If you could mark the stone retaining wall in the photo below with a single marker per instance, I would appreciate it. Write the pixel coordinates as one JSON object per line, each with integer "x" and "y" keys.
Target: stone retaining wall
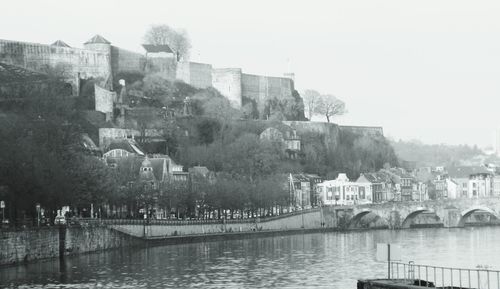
{"x": 36, "y": 244}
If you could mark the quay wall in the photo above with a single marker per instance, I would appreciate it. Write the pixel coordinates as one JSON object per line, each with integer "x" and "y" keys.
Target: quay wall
{"x": 35, "y": 244}
{"x": 309, "y": 220}
{"x": 28, "y": 245}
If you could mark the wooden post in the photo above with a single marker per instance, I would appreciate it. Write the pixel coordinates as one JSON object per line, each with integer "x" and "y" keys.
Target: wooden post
{"x": 388, "y": 261}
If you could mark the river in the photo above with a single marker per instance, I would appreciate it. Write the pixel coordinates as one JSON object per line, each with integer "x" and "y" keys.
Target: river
{"x": 319, "y": 260}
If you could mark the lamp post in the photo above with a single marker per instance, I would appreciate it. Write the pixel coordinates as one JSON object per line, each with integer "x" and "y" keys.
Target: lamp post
{"x": 38, "y": 214}
{"x": 2, "y": 206}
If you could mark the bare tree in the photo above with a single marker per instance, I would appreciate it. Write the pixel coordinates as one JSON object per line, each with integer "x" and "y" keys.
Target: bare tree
{"x": 311, "y": 98}
{"x": 176, "y": 39}
{"x": 329, "y": 106}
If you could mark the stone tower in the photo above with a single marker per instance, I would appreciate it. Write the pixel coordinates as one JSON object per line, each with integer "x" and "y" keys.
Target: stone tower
{"x": 146, "y": 172}
{"x": 99, "y": 43}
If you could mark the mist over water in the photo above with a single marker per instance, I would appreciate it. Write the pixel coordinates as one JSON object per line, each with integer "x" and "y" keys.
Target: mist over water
{"x": 322, "y": 260}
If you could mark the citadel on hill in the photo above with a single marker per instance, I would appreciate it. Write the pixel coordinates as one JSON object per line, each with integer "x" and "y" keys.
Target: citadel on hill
{"x": 24, "y": 68}
{"x": 100, "y": 60}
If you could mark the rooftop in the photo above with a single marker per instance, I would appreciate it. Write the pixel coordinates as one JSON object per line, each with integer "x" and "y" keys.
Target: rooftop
{"x": 155, "y": 48}
{"x": 466, "y": 171}
{"x": 60, "y": 43}
{"x": 125, "y": 144}
{"x": 97, "y": 39}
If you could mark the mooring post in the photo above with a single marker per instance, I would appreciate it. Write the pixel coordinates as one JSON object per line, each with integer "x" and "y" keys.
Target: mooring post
{"x": 388, "y": 261}
{"x": 62, "y": 240}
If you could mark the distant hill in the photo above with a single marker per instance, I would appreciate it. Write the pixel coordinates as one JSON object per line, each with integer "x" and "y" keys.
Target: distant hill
{"x": 438, "y": 154}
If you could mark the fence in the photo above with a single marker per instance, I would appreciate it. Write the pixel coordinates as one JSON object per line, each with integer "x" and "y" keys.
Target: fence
{"x": 31, "y": 223}
{"x": 445, "y": 277}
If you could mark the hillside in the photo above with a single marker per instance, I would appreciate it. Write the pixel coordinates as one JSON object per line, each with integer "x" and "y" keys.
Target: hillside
{"x": 438, "y": 154}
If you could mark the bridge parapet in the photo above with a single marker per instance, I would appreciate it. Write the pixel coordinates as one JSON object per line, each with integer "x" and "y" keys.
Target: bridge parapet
{"x": 452, "y": 212}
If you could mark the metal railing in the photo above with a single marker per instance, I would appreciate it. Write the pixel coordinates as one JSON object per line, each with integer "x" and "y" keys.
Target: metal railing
{"x": 445, "y": 277}
{"x": 171, "y": 222}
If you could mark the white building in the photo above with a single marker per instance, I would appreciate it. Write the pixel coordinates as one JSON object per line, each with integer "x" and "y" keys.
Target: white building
{"x": 471, "y": 182}
{"x": 340, "y": 191}
{"x": 496, "y": 186}
{"x": 453, "y": 189}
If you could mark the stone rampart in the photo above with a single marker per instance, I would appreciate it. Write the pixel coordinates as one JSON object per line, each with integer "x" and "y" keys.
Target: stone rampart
{"x": 125, "y": 61}
{"x": 196, "y": 74}
{"x": 72, "y": 63}
{"x": 258, "y": 89}
{"x": 330, "y": 131}
{"x": 228, "y": 82}
{"x": 364, "y": 130}
{"x": 164, "y": 66}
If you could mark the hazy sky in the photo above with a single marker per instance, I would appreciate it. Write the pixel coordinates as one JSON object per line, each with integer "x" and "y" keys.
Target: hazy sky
{"x": 427, "y": 70}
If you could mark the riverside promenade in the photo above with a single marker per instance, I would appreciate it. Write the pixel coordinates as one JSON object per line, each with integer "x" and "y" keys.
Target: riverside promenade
{"x": 90, "y": 235}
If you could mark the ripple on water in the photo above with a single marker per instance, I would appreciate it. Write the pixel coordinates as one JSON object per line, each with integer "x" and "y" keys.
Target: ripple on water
{"x": 329, "y": 260}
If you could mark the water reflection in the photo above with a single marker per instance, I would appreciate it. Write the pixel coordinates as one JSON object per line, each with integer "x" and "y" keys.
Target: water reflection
{"x": 330, "y": 260}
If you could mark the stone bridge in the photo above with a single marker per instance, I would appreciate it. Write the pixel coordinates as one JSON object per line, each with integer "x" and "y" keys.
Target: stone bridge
{"x": 399, "y": 215}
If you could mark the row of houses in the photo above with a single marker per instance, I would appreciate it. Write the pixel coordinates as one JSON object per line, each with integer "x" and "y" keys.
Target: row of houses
{"x": 395, "y": 184}
{"x": 306, "y": 190}
{"x": 461, "y": 182}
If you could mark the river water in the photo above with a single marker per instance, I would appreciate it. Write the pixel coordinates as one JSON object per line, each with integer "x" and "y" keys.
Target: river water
{"x": 320, "y": 260}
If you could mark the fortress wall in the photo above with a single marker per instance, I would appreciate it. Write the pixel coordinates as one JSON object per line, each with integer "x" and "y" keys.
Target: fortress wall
{"x": 364, "y": 130}
{"x": 330, "y": 131}
{"x": 228, "y": 82}
{"x": 259, "y": 89}
{"x": 126, "y": 61}
{"x": 73, "y": 61}
{"x": 183, "y": 72}
{"x": 166, "y": 66}
{"x": 196, "y": 74}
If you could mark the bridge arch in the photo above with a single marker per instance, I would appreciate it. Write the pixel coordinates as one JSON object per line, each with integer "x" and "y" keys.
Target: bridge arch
{"x": 353, "y": 223}
{"x": 412, "y": 215}
{"x": 466, "y": 213}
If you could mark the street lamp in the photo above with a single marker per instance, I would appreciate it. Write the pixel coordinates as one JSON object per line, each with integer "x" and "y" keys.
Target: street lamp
{"x": 38, "y": 214}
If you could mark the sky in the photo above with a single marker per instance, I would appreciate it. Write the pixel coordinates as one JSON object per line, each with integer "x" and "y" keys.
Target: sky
{"x": 423, "y": 69}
